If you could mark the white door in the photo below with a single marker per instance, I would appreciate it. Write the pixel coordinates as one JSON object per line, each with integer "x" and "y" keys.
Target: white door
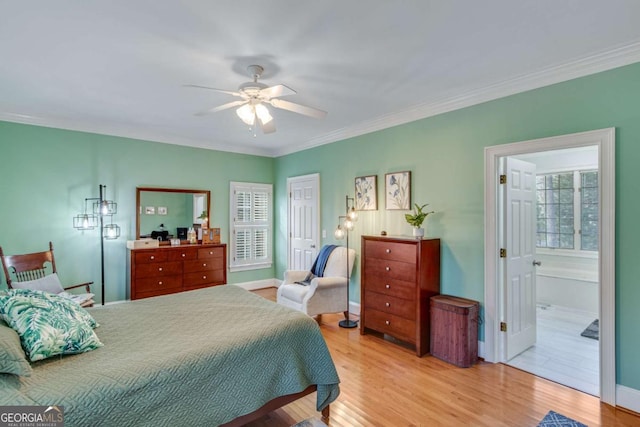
{"x": 304, "y": 241}
{"x": 520, "y": 244}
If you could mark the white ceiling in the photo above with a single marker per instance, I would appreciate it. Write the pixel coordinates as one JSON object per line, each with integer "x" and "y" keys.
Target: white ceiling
{"x": 118, "y": 67}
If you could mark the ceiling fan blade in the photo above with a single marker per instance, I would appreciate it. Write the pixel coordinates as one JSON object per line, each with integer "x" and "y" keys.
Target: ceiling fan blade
{"x": 214, "y": 89}
{"x": 276, "y": 91}
{"x": 221, "y": 107}
{"x": 298, "y": 108}
{"x": 269, "y": 127}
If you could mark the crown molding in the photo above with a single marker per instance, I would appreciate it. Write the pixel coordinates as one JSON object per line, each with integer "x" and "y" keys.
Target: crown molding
{"x": 132, "y": 133}
{"x": 603, "y": 61}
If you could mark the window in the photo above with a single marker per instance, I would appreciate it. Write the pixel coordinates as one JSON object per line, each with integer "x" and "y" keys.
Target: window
{"x": 559, "y": 205}
{"x": 589, "y": 211}
{"x": 251, "y": 229}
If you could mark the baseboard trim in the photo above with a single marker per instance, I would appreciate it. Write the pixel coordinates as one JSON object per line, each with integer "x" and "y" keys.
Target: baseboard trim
{"x": 354, "y": 308}
{"x": 628, "y": 398}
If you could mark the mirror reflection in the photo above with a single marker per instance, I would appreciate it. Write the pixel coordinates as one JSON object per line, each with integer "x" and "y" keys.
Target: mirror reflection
{"x": 165, "y": 213}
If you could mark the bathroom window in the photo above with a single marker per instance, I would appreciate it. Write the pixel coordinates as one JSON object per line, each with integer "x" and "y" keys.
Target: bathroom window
{"x": 251, "y": 226}
{"x": 567, "y": 210}
{"x": 589, "y": 211}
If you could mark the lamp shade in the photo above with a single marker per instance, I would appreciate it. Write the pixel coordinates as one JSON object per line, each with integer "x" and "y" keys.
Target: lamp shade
{"x": 339, "y": 233}
{"x": 263, "y": 114}
{"x": 111, "y": 231}
{"x": 85, "y": 222}
{"x": 353, "y": 214}
{"x": 247, "y": 114}
{"x": 105, "y": 208}
{"x": 348, "y": 224}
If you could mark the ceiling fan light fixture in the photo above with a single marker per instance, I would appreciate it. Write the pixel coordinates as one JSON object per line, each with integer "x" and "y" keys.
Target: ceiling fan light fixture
{"x": 255, "y": 98}
{"x": 247, "y": 114}
{"x": 263, "y": 114}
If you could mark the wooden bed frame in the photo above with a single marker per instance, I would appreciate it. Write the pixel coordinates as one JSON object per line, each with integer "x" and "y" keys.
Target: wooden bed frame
{"x": 274, "y": 404}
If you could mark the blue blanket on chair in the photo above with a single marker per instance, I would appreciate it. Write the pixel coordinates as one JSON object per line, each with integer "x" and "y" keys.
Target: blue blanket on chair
{"x": 317, "y": 269}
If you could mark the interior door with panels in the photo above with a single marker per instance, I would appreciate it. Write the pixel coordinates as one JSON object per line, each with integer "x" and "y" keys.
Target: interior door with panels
{"x": 520, "y": 245}
{"x": 304, "y": 239}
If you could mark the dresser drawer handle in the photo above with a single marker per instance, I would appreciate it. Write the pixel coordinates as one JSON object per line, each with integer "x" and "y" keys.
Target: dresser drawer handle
{"x": 210, "y": 252}
{"x": 159, "y": 268}
{"x": 160, "y": 283}
{"x": 204, "y": 277}
{"x": 388, "y": 268}
{"x": 387, "y": 304}
{"x": 184, "y": 255}
{"x": 388, "y": 251}
{"x": 152, "y": 257}
{"x": 387, "y": 322}
{"x": 387, "y": 286}
{"x": 204, "y": 264}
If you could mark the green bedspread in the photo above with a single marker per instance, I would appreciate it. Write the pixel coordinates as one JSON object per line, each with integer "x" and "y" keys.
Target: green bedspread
{"x": 196, "y": 358}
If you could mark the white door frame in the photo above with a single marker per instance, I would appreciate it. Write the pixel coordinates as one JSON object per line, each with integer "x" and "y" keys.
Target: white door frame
{"x": 604, "y": 139}
{"x": 290, "y": 181}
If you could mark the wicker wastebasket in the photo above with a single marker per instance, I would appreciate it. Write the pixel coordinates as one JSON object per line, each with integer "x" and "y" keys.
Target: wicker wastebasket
{"x": 454, "y": 330}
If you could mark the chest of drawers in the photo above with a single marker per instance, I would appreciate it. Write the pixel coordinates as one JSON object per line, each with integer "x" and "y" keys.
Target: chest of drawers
{"x": 170, "y": 269}
{"x": 399, "y": 276}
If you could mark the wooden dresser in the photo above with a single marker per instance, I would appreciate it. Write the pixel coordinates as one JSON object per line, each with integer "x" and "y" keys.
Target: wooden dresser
{"x": 171, "y": 269}
{"x": 399, "y": 276}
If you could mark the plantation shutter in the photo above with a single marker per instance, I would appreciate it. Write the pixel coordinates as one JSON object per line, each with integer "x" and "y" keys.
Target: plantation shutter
{"x": 251, "y": 218}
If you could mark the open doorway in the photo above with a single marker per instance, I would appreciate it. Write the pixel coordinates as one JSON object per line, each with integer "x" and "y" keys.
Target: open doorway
{"x": 565, "y": 250}
{"x": 495, "y": 339}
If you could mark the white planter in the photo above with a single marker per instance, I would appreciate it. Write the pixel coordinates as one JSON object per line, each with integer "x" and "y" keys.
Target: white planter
{"x": 418, "y": 232}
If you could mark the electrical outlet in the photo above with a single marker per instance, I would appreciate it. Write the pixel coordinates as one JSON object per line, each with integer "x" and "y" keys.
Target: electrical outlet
{"x": 324, "y": 234}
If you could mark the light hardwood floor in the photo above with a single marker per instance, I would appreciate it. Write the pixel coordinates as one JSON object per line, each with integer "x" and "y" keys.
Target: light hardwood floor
{"x": 383, "y": 384}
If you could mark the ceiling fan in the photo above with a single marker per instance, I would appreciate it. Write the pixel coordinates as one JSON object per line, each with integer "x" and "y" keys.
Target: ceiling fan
{"x": 254, "y": 96}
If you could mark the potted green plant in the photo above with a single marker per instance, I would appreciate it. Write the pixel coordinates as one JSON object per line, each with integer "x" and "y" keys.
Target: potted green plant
{"x": 205, "y": 219}
{"x": 417, "y": 218}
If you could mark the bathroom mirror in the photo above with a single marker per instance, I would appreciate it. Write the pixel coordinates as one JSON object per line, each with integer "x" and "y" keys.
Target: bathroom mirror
{"x": 167, "y": 212}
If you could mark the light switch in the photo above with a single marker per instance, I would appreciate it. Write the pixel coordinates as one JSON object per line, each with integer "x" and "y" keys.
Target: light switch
{"x": 324, "y": 234}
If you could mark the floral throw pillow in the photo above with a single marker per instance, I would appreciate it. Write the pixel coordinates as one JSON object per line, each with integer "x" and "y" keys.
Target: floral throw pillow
{"x": 48, "y": 325}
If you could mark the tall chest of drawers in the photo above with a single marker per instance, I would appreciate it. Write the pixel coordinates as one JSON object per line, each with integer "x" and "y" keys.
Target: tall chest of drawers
{"x": 399, "y": 276}
{"x": 171, "y": 269}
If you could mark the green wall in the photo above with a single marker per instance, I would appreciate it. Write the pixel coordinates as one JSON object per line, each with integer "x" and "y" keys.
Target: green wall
{"x": 45, "y": 175}
{"x": 445, "y": 154}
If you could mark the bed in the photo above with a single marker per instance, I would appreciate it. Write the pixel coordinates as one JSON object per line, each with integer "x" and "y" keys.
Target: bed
{"x": 205, "y": 357}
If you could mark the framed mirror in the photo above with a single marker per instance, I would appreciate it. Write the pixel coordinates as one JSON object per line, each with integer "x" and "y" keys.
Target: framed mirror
{"x": 168, "y": 212}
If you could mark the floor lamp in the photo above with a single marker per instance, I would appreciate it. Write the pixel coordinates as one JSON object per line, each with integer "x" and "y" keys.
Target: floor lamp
{"x": 343, "y": 230}
{"x": 95, "y": 217}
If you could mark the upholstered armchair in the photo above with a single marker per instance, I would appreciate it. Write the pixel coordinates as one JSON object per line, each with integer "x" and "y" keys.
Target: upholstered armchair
{"x": 326, "y": 294}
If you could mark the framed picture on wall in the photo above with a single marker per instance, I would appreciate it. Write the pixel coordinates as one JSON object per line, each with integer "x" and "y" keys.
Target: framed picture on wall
{"x": 366, "y": 198}
{"x": 397, "y": 190}
{"x": 162, "y": 210}
{"x": 150, "y": 210}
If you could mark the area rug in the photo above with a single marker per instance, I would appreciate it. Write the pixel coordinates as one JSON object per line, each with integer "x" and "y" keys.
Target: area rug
{"x": 592, "y": 331}
{"x": 553, "y": 419}
{"x": 311, "y": 422}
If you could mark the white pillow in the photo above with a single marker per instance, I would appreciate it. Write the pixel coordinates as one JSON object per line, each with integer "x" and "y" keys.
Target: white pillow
{"x": 50, "y": 283}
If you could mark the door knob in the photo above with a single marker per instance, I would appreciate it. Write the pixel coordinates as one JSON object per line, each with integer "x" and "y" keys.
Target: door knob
{"x": 538, "y": 263}
{"x": 313, "y": 246}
